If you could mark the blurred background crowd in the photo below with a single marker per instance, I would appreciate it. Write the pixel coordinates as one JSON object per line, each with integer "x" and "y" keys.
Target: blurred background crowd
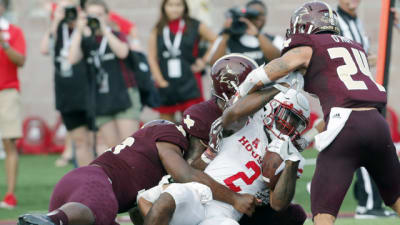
{"x": 91, "y": 72}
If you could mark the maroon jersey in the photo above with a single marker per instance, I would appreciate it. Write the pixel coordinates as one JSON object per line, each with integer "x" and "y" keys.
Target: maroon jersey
{"x": 338, "y": 72}
{"x": 135, "y": 165}
{"x": 197, "y": 119}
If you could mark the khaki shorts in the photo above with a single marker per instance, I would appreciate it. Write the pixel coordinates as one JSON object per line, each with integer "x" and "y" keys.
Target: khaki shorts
{"x": 132, "y": 113}
{"x": 10, "y": 114}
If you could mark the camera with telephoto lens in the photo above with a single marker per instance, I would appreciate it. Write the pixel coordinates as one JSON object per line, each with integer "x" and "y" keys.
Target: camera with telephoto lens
{"x": 238, "y": 27}
{"x": 71, "y": 13}
{"x": 93, "y": 23}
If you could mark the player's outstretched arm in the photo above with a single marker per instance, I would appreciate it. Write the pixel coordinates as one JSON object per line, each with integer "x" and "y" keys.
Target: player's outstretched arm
{"x": 294, "y": 59}
{"x": 283, "y": 193}
{"x": 246, "y": 106}
{"x": 179, "y": 169}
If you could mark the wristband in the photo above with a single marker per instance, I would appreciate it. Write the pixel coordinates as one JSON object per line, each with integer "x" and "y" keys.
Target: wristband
{"x": 208, "y": 156}
{"x": 255, "y": 76}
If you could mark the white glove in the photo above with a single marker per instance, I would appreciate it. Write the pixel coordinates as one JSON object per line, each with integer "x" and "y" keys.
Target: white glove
{"x": 294, "y": 80}
{"x": 285, "y": 149}
{"x": 302, "y": 143}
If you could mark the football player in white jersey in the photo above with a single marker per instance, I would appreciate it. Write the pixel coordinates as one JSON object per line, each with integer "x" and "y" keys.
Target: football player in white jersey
{"x": 238, "y": 164}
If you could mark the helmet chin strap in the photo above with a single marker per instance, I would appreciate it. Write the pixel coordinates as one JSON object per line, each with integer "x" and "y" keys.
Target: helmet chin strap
{"x": 221, "y": 98}
{"x": 225, "y": 97}
{"x": 266, "y": 131}
{"x": 234, "y": 86}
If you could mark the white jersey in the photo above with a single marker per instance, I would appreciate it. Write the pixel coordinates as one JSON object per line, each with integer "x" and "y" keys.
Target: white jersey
{"x": 238, "y": 164}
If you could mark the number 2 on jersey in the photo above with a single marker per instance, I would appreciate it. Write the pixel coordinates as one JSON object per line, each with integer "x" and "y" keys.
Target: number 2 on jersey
{"x": 350, "y": 68}
{"x": 241, "y": 175}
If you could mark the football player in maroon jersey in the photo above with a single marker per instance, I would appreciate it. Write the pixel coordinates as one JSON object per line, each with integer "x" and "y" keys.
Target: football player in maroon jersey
{"x": 95, "y": 194}
{"x": 227, "y": 73}
{"x": 336, "y": 70}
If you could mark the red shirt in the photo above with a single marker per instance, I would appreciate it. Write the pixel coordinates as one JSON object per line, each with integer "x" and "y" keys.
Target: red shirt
{"x": 8, "y": 70}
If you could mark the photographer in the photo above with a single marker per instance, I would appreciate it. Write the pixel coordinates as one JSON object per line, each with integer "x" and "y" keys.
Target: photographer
{"x": 71, "y": 82}
{"x": 116, "y": 98}
{"x": 242, "y": 34}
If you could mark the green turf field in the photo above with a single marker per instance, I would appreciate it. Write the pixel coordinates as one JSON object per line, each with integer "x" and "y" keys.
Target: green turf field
{"x": 37, "y": 176}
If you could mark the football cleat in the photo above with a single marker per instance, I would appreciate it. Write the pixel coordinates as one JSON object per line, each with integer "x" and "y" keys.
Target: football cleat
{"x": 373, "y": 213}
{"x": 37, "y": 219}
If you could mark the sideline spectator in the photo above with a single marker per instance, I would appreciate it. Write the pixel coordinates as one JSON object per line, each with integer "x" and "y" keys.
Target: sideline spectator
{"x": 123, "y": 25}
{"x": 117, "y": 100}
{"x": 71, "y": 81}
{"x": 242, "y": 34}
{"x": 174, "y": 57}
{"x": 12, "y": 56}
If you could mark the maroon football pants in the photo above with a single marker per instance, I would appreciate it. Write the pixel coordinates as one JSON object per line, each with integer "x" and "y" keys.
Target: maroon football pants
{"x": 91, "y": 187}
{"x": 364, "y": 141}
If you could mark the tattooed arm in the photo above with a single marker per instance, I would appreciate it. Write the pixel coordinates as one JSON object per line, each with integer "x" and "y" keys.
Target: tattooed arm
{"x": 295, "y": 59}
{"x": 283, "y": 193}
{"x": 246, "y": 106}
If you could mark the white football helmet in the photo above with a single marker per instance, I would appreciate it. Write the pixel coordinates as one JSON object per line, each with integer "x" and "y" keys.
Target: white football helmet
{"x": 287, "y": 114}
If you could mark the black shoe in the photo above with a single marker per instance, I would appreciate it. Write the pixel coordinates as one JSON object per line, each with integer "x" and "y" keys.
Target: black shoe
{"x": 38, "y": 219}
{"x": 374, "y": 213}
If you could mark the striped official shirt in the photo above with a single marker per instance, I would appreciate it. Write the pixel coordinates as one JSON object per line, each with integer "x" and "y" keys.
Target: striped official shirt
{"x": 352, "y": 28}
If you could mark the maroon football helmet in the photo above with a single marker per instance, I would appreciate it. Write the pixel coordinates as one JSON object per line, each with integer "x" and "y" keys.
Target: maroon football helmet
{"x": 229, "y": 72}
{"x": 313, "y": 18}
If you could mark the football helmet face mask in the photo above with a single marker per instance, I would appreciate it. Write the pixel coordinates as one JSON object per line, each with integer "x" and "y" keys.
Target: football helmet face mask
{"x": 313, "y": 18}
{"x": 228, "y": 73}
{"x": 287, "y": 114}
